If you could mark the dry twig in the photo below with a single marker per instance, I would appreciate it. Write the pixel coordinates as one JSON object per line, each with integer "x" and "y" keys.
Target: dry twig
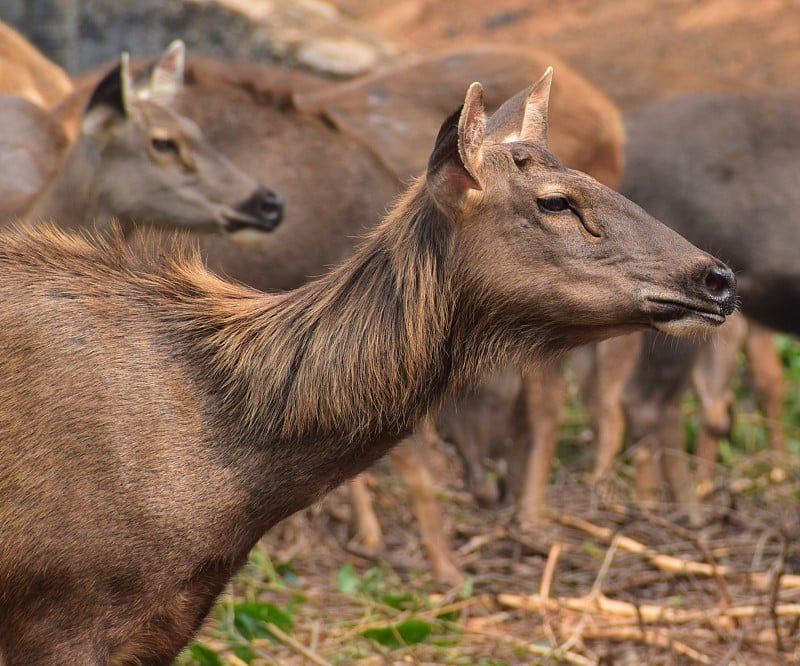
{"x": 286, "y": 639}
{"x": 672, "y": 564}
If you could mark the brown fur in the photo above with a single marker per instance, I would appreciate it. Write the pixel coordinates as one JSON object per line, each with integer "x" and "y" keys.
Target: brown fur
{"x": 32, "y": 144}
{"x": 24, "y": 71}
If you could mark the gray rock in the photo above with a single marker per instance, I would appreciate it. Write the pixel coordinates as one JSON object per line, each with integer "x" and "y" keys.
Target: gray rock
{"x": 83, "y": 34}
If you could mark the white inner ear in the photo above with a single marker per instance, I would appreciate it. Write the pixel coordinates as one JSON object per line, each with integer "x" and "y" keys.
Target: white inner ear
{"x": 167, "y": 77}
{"x": 97, "y": 122}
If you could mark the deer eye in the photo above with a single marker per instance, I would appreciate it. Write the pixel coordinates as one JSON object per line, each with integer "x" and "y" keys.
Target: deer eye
{"x": 164, "y": 145}
{"x": 553, "y": 203}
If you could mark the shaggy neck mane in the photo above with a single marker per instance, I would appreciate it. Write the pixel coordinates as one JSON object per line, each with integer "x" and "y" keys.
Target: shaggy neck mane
{"x": 356, "y": 356}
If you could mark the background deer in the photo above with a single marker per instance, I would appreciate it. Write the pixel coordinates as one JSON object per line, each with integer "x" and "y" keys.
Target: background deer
{"x": 139, "y": 161}
{"x": 183, "y": 415}
{"x": 740, "y": 170}
{"x": 32, "y": 143}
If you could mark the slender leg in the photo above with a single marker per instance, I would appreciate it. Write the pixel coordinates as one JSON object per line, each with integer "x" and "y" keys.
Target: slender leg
{"x": 408, "y": 461}
{"x": 766, "y": 371}
{"x": 616, "y": 359}
{"x": 712, "y": 373}
{"x": 368, "y": 531}
{"x": 675, "y": 464}
{"x": 545, "y": 391}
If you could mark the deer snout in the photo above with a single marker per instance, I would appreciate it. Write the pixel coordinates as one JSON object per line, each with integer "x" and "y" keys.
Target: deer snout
{"x": 720, "y": 285}
{"x": 264, "y": 205}
{"x": 262, "y": 210}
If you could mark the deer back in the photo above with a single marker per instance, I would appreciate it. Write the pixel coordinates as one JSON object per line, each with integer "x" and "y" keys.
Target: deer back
{"x": 26, "y": 72}
{"x": 396, "y": 110}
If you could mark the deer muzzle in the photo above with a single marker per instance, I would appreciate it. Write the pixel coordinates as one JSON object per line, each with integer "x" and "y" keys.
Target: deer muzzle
{"x": 263, "y": 211}
{"x": 709, "y": 297}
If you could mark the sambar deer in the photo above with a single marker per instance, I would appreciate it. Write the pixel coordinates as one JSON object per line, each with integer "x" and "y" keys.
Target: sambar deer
{"x": 721, "y": 169}
{"x": 137, "y": 160}
{"x": 390, "y": 111}
{"x": 156, "y": 420}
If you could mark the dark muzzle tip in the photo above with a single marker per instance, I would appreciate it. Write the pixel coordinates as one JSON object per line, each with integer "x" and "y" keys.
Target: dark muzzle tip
{"x": 720, "y": 284}
{"x": 264, "y": 205}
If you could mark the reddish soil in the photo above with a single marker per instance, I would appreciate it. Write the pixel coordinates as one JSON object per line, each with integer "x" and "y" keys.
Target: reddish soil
{"x": 636, "y": 51}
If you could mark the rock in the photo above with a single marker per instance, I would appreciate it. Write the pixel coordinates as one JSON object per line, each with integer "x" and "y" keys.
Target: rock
{"x": 310, "y": 34}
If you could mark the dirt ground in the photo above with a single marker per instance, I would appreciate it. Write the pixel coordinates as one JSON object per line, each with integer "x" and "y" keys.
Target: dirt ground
{"x": 636, "y": 51}
{"x": 600, "y": 583}
{"x": 614, "y": 585}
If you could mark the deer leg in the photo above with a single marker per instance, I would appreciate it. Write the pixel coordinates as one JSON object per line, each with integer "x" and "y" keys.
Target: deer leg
{"x": 409, "y": 463}
{"x": 545, "y": 391}
{"x": 646, "y": 476}
{"x": 766, "y": 371}
{"x": 616, "y": 359}
{"x": 706, "y": 453}
{"x": 368, "y": 531}
{"x": 675, "y": 464}
{"x": 712, "y": 373}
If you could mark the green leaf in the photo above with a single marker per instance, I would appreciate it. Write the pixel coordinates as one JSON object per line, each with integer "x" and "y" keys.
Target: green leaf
{"x": 202, "y": 655}
{"x": 250, "y": 618}
{"x": 467, "y": 588}
{"x": 245, "y": 653}
{"x": 449, "y": 616}
{"x": 401, "y": 600}
{"x": 408, "y": 632}
{"x": 347, "y": 579}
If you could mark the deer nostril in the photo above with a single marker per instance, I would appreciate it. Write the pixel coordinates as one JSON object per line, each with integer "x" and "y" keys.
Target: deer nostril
{"x": 720, "y": 283}
{"x": 716, "y": 283}
{"x": 271, "y": 204}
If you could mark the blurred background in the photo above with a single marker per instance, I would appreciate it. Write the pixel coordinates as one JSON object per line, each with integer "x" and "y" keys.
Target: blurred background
{"x": 635, "y": 51}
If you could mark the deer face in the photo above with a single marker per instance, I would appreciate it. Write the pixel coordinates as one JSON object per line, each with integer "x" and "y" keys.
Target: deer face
{"x": 552, "y": 247}
{"x": 155, "y": 165}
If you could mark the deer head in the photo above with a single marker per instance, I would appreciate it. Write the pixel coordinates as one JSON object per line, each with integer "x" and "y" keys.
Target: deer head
{"x": 558, "y": 237}
{"x": 153, "y": 165}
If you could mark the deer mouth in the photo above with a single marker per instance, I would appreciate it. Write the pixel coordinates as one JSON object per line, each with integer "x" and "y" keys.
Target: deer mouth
{"x": 680, "y": 317}
{"x": 233, "y": 221}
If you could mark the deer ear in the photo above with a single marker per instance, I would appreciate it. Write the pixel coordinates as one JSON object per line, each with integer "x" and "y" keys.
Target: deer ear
{"x": 109, "y": 101}
{"x": 534, "y": 121}
{"x": 454, "y": 164}
{"x": 166, "y": 79}
{"x": 523, "y": 117}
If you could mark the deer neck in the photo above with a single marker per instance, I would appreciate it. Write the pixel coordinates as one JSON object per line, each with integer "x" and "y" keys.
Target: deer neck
{"x": 327, "y": 377}
{"x": 68, "y": 199}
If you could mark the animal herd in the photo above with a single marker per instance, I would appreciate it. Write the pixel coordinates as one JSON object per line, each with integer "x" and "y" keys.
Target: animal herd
{"x": 227, "y": 288}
